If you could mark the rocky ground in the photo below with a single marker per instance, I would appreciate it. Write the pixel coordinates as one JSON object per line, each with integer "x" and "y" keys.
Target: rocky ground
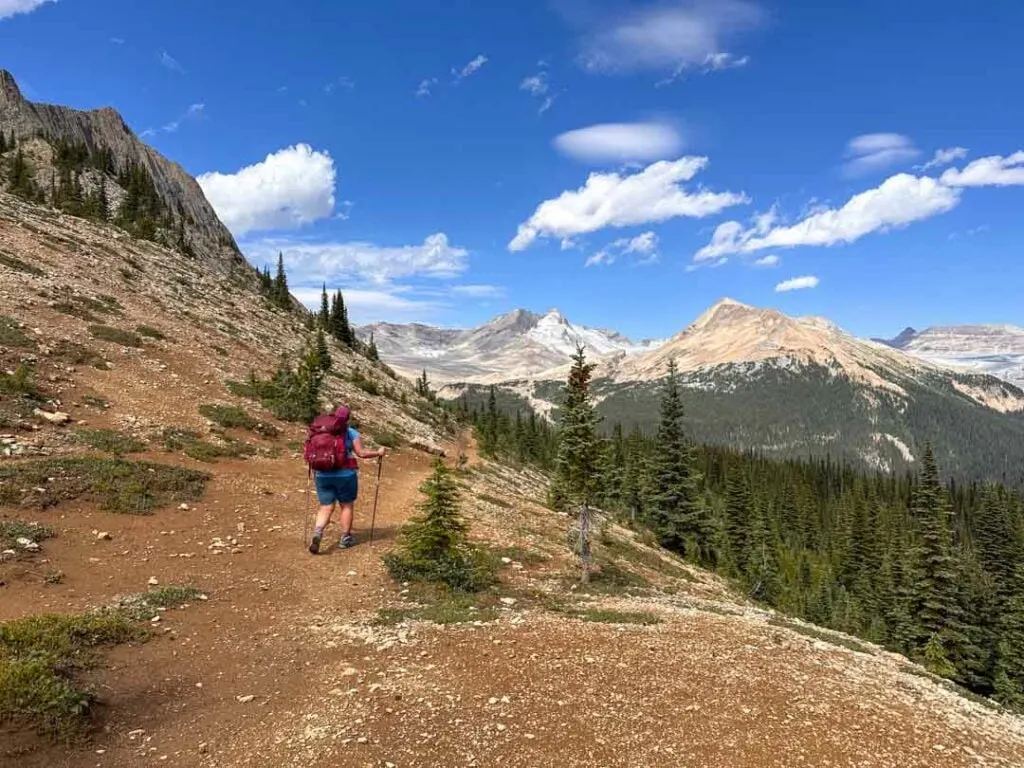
{"x": 298, "y": 660}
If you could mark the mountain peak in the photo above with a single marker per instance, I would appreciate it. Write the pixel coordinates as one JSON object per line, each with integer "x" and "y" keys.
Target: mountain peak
{"x": 9, "y": 91}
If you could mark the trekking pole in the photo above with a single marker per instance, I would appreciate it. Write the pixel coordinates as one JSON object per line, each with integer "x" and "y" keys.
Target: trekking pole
{"x": 376, "y": 495}
{"x": 305, "y": 515}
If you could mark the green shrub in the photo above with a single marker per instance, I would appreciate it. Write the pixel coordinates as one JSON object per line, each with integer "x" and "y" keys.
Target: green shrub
{"x": 109, "y": 441}
{"x": 366, "y": 384}
{"x": 115, "y": 335}
{"x": 387, "y": 439}
{"x": 13, "y": 336}
{"x": 12, "y": 530}
{"x": 227, "y": 416}
{"x": 21, "y": 383}
{"x": 128, "y": 487}
{"x": 150, "y": 332}
{"x": 78, "y": 354}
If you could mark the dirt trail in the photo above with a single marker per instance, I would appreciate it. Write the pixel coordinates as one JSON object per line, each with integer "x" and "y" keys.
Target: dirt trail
{"x": 249, "y": 638}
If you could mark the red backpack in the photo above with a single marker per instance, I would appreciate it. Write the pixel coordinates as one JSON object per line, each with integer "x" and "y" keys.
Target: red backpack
{"x": 327, "y": 444}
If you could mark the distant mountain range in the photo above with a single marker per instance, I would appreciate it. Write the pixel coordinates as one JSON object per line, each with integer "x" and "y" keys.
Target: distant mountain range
{"x": 755, "y": 378}
{"x": 994, "y": 349}
{"x": 516, "y": 345}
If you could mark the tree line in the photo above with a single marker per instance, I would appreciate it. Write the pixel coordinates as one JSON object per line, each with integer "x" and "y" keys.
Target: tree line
{"x": 930, "y": 569}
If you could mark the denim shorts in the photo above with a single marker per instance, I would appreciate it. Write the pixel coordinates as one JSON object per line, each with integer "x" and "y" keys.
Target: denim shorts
{"x": 331, "y": 488}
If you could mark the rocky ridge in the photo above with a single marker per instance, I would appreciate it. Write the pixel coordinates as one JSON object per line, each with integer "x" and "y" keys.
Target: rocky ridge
{"x": 37, "y": 126}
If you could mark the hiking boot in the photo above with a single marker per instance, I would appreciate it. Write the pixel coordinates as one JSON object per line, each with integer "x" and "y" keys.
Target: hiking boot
{"x": 347, "y": 540}
{"x": 314, "y": 546}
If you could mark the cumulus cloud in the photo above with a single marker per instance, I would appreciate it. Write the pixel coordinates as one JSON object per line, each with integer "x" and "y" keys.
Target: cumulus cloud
{"x": 601, "y": 257}
{"x": 664, "y": 35}
{"x": 874, "y": 152}
{"x": 10, "y": 8}
{"x": 620, "y": 142}
{"x": 797, "y": 284}
{"x": 943, "y": 157}
{"x": 313, "y": 262}
{"x": 771, "y": 260}
{"x": 992, "y": 171}
{"x": 290, "y": 188}
{"x": 426, "y": 86}
{"x": 896, "y": 202}
{"x": 651, "y": 195}
{"x": 471, "y": 68}
{"x": 171, "y": 63}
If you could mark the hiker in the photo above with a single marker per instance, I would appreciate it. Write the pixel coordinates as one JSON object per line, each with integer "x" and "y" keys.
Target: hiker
{"x": 332, "y": 447}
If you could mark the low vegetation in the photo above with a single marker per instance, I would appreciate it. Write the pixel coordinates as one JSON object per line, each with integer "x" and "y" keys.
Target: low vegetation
{"x": 12, "y": 530}
{"x": 116, "y": 335}
{"x": 116, "y": 485}
{"x": 12, "y": 335}
{"x": 233, "y": 417}
{"x": 109, "y": 441}
{"x": 150, "y": 332}
{"x": 817, "y": 634}
{"x": 293, "y": 392}
{"x": 43, "y": 659}
{"x": 73, "y": 353}
{"x": 12, "y": 262}
{"x": 192, "y": 445}
{"x": 447, "y": 607}
{"x": 617, "y": 617}
{"x": 387, "y": 439}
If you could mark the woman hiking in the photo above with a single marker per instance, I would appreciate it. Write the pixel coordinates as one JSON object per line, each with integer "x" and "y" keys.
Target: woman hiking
{"x": 332, "y": 447}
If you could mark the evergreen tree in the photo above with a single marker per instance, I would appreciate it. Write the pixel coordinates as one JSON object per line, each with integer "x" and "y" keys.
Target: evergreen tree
{"x": 21, "y": 177}
{"x": 340, "y": 328}
{"x": 322, "y": 351}
{"x": 324, "y": 318}
{"x": 371, "y": 350}
{"x": 938, "y": 610}
{"x": 279, "y": 294}
{"x": 578, "y": 458}
{"x": 680, "y": 520}
{"x": 737, "y": 513}
{"x": 3, "y": 143}
{"x": 1008, "y": 682}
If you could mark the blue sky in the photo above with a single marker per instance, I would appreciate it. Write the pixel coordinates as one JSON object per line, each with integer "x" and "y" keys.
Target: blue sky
{"x": 446, "y": 161}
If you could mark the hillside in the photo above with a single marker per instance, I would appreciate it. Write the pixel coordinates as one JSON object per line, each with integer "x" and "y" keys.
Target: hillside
{"x": 92, "y": 164}
{"x": 997, "y": 350}
{"x": 278, "y": 659}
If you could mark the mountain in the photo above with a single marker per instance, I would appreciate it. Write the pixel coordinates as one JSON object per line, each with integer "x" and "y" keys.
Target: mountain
{"x": 519, "y": 344}
{"x": 91, "y": 164}
{"x": 994, "y": 349}
{"x": 791, "y": 387}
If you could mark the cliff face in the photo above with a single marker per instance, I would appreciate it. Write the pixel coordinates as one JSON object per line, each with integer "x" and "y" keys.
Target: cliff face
{"x": 190, "y": 216}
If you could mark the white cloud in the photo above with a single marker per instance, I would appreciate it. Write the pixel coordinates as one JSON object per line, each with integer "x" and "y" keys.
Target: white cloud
{"x": 317, "y": 262}
{"x": 370, "y": 306}
{"x": 117, "y": 40}
{"x": 713, "y": 62}
{"x": 992, "y": 171}
{"x": 771, "y": 260}
{"x": 644, "y": 244}
{"x": 612, "y": 200}
{"x": 171, "y": 63}
{"x": 601, "y": 257}
{"x": 874, "y": 152}
{"x": 546, "y": 104}
{"x": 535, "y": 85}
{"x": 10, "y": 8}
{"x": 620, "y": 142}
{"x": 478, "y": 291}
{"x": 426, "y": 86}
{"x": 943, "y": 157}
{"x": 291, "y": 187}
{"x": 665, "y": 35}
{"x": 471, "y": 68}
{"x": 896, "y": 202}
{"x": 797, "y": 284}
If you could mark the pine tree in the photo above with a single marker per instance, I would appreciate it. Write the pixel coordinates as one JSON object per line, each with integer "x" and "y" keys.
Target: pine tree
{"x": 322, "y": 351}
{"x": 279, "y": 294}
{"x": 324, "y": 318}
{"x": 3, "y": 143}
{"x": 340, "y": 328}
{"x": 371, "y": 350}
{"x": 737, "y": 513}
{"x": 577, "y": 462}
{"x": 680, "y": 520}
{"x": 938, "y": 610}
